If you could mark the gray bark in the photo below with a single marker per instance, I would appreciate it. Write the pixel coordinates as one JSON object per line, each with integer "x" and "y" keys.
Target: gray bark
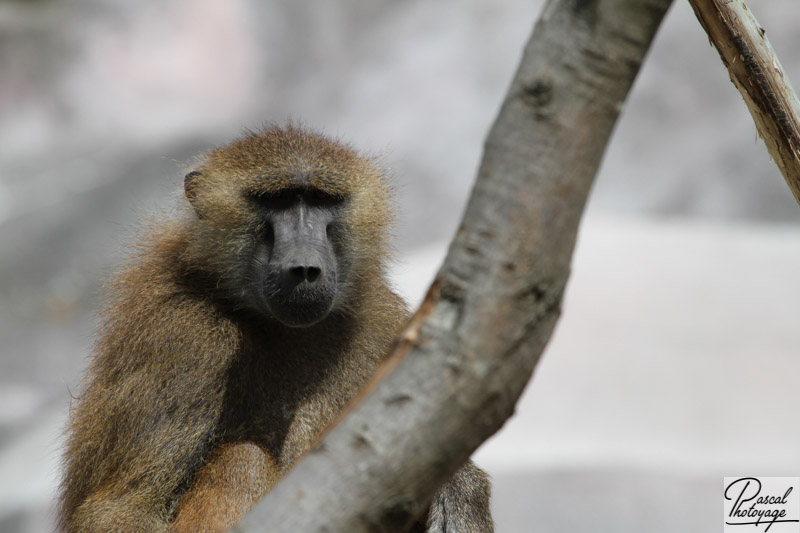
{"x": 463, "y": 360}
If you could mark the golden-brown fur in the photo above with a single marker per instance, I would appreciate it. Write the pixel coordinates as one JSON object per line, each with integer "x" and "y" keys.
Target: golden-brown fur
{"x": 195, "y": 403}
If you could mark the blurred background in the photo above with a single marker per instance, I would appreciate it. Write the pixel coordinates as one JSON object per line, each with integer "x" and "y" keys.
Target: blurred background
{"x": 676, "y": 360}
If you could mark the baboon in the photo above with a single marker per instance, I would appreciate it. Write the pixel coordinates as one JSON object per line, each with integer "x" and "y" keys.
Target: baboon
{"x": 238, "y": 332}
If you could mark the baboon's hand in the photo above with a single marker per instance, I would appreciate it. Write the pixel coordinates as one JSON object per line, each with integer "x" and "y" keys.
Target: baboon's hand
{"x": 462, "y": 504}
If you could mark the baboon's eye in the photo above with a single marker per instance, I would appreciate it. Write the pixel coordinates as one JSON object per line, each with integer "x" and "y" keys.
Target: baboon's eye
{"x": 277, "y": 200}
{"x": 322, "y": 198}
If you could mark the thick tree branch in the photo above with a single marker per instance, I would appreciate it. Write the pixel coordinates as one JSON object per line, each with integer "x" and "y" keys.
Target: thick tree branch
{"x": 755, "y": 70}
{"x": 464, "y": 359}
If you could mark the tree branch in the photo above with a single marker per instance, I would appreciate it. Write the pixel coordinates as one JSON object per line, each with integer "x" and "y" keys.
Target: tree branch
{"x": 465, "y": 357}
{"x": 756, "y": 72}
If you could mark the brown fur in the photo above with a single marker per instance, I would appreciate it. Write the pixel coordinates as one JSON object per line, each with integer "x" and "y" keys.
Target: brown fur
{"x": 196, "y": 405}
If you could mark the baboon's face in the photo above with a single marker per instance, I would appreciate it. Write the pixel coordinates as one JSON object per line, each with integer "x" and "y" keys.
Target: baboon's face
{"x": 288, "y": 223}
{"x": 294, "y": 268}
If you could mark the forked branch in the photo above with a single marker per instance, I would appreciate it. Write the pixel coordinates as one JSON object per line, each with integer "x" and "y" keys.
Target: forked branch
{"x": 466, "y": 356}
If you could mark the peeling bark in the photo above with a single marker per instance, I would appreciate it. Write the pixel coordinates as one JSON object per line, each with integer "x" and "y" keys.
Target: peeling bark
{"x": 758, "y": 75}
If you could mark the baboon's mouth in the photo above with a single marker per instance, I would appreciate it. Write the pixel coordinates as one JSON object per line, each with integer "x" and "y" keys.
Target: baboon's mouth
{"x": 300, "y": 309}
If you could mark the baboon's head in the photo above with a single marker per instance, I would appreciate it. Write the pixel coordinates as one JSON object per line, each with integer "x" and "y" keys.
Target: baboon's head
{"x": 288, "y": 223}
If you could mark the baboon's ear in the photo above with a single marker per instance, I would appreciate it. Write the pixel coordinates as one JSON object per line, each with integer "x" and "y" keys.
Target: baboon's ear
{"x": 190, "y": 182}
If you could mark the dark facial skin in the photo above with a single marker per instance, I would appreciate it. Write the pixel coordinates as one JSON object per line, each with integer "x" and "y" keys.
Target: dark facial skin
{"x": 296, "y": 270}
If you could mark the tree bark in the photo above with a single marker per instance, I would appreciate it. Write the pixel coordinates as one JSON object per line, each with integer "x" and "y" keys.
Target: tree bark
{"x": 755, "y": 70}
{"x": 463, "y": 360}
